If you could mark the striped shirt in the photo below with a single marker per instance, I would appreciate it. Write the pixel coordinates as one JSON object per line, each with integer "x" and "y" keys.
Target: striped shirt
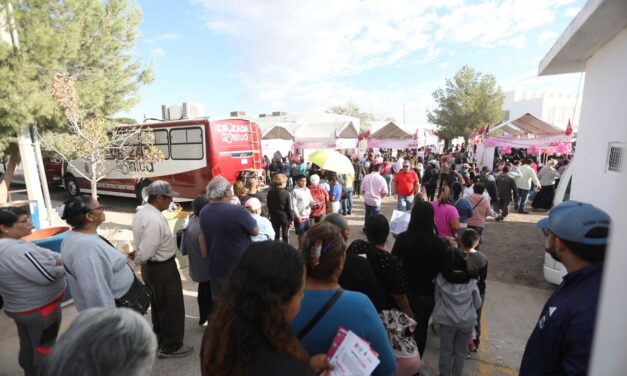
{"x": 29, "y": 275}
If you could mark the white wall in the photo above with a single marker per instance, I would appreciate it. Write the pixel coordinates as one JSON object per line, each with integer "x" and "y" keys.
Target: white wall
{"x": 604, "y": 117}
{"x": 554, "y": 108}
{"x": 603, "y": 120}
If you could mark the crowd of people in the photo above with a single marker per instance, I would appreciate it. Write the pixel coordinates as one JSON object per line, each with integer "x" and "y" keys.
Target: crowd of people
{"x": 272, "y": 307}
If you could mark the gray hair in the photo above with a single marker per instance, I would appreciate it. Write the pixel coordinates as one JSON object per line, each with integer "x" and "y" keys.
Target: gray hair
{"x": 218, "y": 188}
{"x": 314, "y": 179}
{"x": 338, "y": 220}
{"x": 104, "y": 342}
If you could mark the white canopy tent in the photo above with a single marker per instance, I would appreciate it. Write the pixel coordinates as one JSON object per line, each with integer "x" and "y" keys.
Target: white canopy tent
{"x": 327, "y": 135}
{"x": 391, "y": 136}
{"x": 277, "y": 137}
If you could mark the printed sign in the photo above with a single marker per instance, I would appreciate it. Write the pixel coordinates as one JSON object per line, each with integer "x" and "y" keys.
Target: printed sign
{"x": 230, "y": 133}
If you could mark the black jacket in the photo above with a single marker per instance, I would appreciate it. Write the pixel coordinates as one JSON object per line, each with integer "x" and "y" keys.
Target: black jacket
{"x": 430, "y": 176}
{"x": 490, "y": 186}
{"x": 280, "y": 205}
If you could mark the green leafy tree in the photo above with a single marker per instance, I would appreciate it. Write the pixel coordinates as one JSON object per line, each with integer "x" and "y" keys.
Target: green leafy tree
{"x": 90, "y": 40}
{"x": 469, "y": 100}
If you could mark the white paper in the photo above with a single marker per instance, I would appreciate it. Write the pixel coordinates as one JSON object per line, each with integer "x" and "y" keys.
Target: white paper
{"x": 399, "y": 222}
{"x": 354, "y": 357}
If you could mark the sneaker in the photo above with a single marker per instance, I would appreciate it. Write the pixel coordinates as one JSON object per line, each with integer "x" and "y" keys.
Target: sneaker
{"x": 182, "y": 351}
{"x": 468, "y": 354}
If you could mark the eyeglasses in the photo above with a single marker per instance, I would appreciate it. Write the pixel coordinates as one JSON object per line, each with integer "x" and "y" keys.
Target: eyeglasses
{"x": 26, "y": 220}
{"x": 405, "y": 166}
{"x": 101, "y": 208}
{"x": 546, "y": 232}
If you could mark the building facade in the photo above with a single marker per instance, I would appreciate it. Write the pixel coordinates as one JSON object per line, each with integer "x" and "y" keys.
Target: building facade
{"x": 554, "y": 108}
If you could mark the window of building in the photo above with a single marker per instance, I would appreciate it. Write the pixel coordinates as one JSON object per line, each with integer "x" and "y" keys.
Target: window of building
{"x": 187, "y": 143}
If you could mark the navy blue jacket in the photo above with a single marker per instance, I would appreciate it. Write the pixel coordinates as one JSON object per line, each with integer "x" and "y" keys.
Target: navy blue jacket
{"x": 561, "y": 343}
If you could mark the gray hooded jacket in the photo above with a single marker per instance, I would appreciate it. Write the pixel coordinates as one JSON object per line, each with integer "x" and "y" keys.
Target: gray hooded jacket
{"x": 456, "y": 304}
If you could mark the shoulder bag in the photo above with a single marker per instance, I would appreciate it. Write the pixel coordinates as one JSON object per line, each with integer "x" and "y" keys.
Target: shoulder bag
{"x": 138, "y": 295}
{"x": 325, "y": 308}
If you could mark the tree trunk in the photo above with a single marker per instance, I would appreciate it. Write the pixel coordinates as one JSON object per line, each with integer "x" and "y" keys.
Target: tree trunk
{"x": 94, "y": 179}
{"x": 14, "y": 159}
{"x": 447, "y": 144}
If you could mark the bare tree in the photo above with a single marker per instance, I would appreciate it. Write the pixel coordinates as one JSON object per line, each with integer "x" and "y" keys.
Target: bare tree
{"x": 93, "y": 141}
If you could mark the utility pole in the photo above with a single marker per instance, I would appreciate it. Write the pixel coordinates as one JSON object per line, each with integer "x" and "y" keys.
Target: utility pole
{"x": 404, "y": 103}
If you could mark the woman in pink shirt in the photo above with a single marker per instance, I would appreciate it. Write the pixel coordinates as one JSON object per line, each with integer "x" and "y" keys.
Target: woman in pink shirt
{"x": 446, "y": 216}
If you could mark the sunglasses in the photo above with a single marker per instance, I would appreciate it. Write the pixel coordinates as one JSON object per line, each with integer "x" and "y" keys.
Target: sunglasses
{"x": 546, "y": 232}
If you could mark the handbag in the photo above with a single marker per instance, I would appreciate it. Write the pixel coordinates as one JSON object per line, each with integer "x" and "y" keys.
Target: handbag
{"x": 399, "y": 328}
{"x": 137, "y": 297}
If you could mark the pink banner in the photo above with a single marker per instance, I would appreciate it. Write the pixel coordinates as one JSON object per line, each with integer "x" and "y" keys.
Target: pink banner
{"x": 392, "y": 144}
{"x": 313, "y": 143}
{"x": 525, "y": 143}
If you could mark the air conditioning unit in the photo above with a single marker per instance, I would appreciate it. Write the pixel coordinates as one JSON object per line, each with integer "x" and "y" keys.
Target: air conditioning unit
{"x": 175, "y": 112}
{"x": 279, "y": 113}
{"x": 238, "y": 113}
{"x": 192, "y": 110}
{"x": 262, "y": 115}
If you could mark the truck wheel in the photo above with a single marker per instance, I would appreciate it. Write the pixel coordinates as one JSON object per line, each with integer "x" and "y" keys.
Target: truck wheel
{"x": 139, "y": 189}
{"x": 71, "y": 185}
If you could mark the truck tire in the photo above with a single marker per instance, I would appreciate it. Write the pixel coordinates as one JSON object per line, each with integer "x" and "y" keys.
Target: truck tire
{"x": 139, "y": 188}
{"x": 71, "y": 185}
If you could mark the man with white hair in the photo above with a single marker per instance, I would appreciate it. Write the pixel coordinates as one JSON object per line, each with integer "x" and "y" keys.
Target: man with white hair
{"x": 226, "y": 230}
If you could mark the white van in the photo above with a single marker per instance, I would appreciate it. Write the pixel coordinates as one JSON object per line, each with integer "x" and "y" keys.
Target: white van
{"x": 554, "y": 270}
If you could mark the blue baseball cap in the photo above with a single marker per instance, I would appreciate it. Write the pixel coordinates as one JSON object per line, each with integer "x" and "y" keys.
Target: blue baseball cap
{"x": 571, "y": 220}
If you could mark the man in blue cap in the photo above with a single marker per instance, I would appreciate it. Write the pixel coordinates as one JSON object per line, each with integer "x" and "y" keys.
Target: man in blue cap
{"x": 561, "y": 343}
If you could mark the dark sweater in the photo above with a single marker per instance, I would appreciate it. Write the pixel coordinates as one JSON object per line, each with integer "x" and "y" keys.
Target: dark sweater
{"x": 358, "y": 275}
{"x": 477, "y": 265}
{"x": 279, "y": 205}
{"x": 387, "y": 269}
{"x": 423, "y": 258}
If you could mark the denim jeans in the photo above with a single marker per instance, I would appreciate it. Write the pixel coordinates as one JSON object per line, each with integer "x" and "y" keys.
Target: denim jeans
{"x": 404, "y": 201}
{"x": 388, "y": 179}
{"x": 370, "y": 211}
{"x": 347, "y": 204}
{"x": 522, "y": 199}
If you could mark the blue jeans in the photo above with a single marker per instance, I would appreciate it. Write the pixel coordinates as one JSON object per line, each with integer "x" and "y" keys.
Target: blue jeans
{"x": 522, "y": 199}
{"x": 404, "y": 201}
{"x": 388, "y": 179}
{"x": 347, "y": 204}
{"x": 532, "y": 191}
{"x": 370, "y": 211}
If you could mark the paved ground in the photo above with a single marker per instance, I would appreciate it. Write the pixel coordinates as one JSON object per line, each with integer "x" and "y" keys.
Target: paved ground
{"x": 516, "y": 293}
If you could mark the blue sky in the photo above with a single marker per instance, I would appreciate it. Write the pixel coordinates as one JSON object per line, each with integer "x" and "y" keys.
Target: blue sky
{"x": 294, "y": 56}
